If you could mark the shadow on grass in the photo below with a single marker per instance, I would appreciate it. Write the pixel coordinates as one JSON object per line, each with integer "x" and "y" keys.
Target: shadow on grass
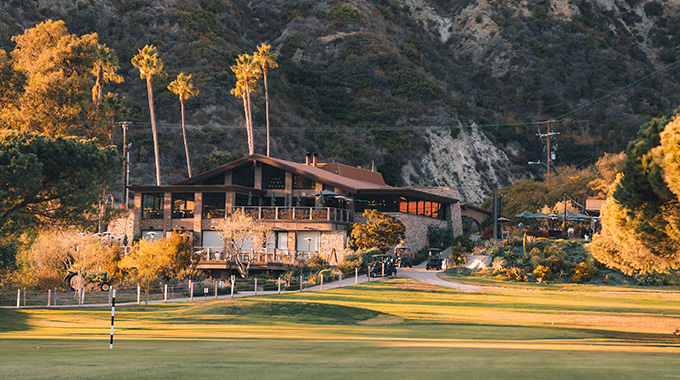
{"x": 13, "y": 320}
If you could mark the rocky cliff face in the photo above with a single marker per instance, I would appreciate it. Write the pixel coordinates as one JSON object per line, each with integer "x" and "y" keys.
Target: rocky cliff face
{"x": 385, "y": 81}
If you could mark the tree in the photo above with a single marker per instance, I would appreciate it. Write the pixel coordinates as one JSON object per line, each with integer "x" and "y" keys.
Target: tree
{"x": 150, "y": 64}
{"x": 45, "y": 181}
{"x": 380, "y": 230}
{"x": 104, "y": 70}
{"x": 50, "y": 85}
{"x": 183, "y": 87}
{"x": 247, "y": 72}
{"x": 641, "y": 218}
{"x": 147, "y": 260}
{"x": 266, "y": 59}
{"x": 241, "y": 231}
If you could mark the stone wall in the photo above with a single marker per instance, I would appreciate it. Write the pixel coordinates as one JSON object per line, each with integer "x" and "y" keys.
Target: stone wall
{"x": 416, "y": 228}
{"x": 333, "y": 240}
{"x": 123, "y": 226}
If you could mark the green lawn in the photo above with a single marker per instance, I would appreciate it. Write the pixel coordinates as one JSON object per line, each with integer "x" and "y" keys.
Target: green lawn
{"x": 397, "y": 328}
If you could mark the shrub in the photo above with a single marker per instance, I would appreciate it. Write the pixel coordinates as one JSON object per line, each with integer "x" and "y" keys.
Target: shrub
{"x": 347, "y": 267}
{"x": 543, "y": 273}
{"x": 345, "y": 13}
{"x": 583, "y": 273}
{"x": 515, "y": 274}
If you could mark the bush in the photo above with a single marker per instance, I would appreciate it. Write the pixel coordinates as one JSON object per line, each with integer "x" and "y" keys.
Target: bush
{"x": 515, "y": 274}
{"x": 583, "y": 273}
{"x": 345, "y": 13}
{"x": 543, "y": 274}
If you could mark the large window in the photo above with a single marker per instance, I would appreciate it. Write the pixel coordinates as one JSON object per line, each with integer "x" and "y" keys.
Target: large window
{"x": 244, "y": 176}
{"x": 402, "y": 204}
{"x": 214, "y": 205}
{"x": 302, "y": 183}
{"x": 217, "y": 180}
{"x": 246, "y": 200}
{"x": 152, "y": 206}
{"x": 273, "y": 178}
{"x": 182, "y": 205}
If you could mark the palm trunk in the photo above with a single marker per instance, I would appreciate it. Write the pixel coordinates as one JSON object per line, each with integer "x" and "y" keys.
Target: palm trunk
{"x": 245, "y": 111}
{"x": 266, "y": 104}
{"x": 251, "y": 139}
{"x": 149, "y": 92}
{"x": 184, "y": 135}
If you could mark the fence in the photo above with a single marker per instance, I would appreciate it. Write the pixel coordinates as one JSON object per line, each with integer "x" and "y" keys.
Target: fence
{"x": 158, "y": 291}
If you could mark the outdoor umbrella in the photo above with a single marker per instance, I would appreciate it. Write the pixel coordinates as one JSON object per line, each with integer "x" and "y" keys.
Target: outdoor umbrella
{"x": 287, "y": 200}
{"x": 568, "y": 216}
{"x": 326, "y": 193}
{"x": 273, "y": 200}
{"x": 540, "y": 215}
{"x": 250, "y": 198}
{"x": 503, "y": 219}
{"x": 525, "y": 214}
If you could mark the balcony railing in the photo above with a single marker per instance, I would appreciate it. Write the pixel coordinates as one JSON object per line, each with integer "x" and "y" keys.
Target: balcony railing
{"x": 330, "y": 214}
{"x": 264, "y": 256}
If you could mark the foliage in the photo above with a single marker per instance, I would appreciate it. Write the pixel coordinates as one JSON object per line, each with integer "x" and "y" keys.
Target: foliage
{"x": 238, "y": 231}
{"x": 439, "y": 237}
{"x": 314, "y": 264}
{"x": 46, "y": 181}
{"x": 380, "y": 230}
{"x": 180, "y": 249}
{"x": 54, "y": 253}
{"x": 515, "y": 274}
{"x": 184, "y": 88}
{"x": 345, "y": 13}
{"x": 583, "y": 273}
{"x": 640, "y": 224}
{"x": 147, "y": 260}
{"x": 49, "y": 84}
{"x": 542, "y": 273}
{"x": 461, "y": 245}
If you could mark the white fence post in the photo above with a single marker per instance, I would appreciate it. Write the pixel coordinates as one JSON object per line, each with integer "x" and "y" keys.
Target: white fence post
{"x": 82, "y": 297}
{"x": 356, "y": 276}
{"x": 215, "y": 283}
{"x": 165, "y": 294}
{"x": 191, "y": 290}
{"x": 301, "y": 277}
{"x": 279, "y": 283}
{"x": 24, "y": 297}
{"x": 55, "y": 296}
{"x": 320, "y": 274}
{"x": 255, "y": 286}
{"x": 139, "y": 292}
{"x": 18, "y": 298}
{"x": 49, "y": 297}
{"x": 232, "y": 286}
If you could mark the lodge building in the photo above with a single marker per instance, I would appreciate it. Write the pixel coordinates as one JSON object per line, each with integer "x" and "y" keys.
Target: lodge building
{"x": 309, "y": 206}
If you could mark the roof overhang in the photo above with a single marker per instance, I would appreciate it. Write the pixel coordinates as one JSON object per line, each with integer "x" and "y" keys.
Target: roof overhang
{"x": 408, "y": 192}
{"x": 198, "y": 189}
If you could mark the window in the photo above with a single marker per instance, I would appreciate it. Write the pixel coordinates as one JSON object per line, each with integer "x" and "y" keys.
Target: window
{"x": 273, "y": 178}
{"x": 214, "y": 205}
{"x": 182, "y": 205}
{"x": 244, "y": 176}
{"x": 302, "y": 183}
{"x": 247, "y": 200}
{"x": 152, "y": 206}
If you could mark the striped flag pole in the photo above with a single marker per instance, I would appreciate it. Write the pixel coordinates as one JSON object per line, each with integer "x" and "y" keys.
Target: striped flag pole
{"x": 113, "y": 311}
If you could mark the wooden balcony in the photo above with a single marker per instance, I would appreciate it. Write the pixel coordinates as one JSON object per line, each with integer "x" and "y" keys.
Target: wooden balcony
{"x": 329, "y": 214}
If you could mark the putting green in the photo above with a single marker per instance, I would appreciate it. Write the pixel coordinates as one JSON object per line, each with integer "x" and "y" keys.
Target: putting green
{"x": 396, "y": 327}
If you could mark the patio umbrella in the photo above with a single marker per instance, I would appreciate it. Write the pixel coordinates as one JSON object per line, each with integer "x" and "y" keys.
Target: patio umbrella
{"x": 273, "y": 200}
{"x": 250, "y": 198}
{"x": 322, "y": 200}
{"x": 326, "y": 193}
{"x": 540, "y": 215}
{"x": 525, "y": 214}
{"x": 503, "y": 219}
{"x": 287, "y": 200}
{"x": 298, "y": 201}
{"x": 568, "y": 216}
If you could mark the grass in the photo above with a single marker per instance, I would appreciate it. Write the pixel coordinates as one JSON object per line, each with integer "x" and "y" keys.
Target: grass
{"x": 398, "y": 327}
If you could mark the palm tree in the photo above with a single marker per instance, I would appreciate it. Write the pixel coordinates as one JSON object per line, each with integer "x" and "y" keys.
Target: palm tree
{"x": 266, "y": 58}
{"x": 104, "y": 70}
{"x": 247, "y": 71}
{"x": 183, "y": 87}
{"x": 149, "y": 64}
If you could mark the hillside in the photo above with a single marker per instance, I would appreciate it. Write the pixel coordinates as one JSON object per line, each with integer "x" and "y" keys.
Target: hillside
{"x": 434, "y": 92}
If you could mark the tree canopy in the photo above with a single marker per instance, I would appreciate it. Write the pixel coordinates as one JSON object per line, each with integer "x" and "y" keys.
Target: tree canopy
{"x": 45, "y": 181}
{"x": 641, "y": 219}
{"x": 380, "y": 230}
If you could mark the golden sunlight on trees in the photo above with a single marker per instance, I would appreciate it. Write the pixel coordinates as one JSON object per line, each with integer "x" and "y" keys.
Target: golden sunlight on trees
{"x": 380, "y": 230}
{"x": 184, "y": 88}
{"x": 266, "y": 59}
{"x": 150, "y": 64}
{"x": 247, "y": 72}
{"x": 55, "y": 253}
{"x": 48, "y": 82}
{"x": 150, "y": 259}
{"x": 242, "y": 232}
{"x": 641, "y": 219}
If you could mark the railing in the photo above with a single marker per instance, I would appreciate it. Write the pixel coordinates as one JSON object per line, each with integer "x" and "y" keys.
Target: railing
{"x": 296, "y": 213}
{"x": 264, "y": 256}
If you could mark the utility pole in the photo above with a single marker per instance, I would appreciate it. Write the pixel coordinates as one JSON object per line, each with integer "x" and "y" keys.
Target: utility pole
{"x": 126, "y": 156}
{"x": 548, "y": 151}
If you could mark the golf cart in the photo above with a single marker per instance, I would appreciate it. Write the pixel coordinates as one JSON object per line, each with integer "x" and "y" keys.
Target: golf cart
{"x": 404, "y": 256}
{"x": 376, "y": 266}
{"x": 434, "y": 259}
{"x": 77, "y": 280}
